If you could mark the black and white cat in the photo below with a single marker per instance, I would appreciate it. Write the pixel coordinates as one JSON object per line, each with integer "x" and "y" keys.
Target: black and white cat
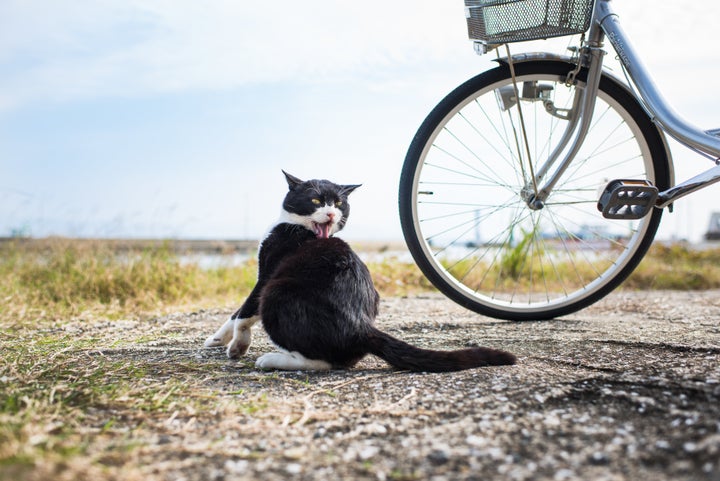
{"x": 316, "y": 298}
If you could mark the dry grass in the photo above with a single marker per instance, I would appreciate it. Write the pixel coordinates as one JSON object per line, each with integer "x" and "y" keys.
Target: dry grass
{"x": 679, "y": 267}
{"x": 60, "y": 279}
{"x": 73, "y": 408}
{"x": 72, "y": 405}
{"x": 85, "y": 398}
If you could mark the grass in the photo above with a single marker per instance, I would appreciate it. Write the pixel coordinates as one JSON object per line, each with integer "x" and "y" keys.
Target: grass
{"x": 77, "y": 401}
{"x": 677, "y": 266}
{"x": 70, "y": 404}
{"x": 74, "y": 398}
{"x": 664, "y": 267}
{"x": 60, "y": 279}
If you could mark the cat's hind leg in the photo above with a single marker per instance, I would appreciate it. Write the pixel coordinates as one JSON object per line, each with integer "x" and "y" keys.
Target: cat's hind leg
{"x": 222, "y": 336}
{"x": 242, "y": 337}
{"x": 291, "y": 361}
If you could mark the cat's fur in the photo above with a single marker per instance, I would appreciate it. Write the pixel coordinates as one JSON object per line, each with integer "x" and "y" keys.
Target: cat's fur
{"x": 317, "y": 300}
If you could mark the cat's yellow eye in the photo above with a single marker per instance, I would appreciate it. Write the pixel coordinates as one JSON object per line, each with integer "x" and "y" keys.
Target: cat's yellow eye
{"x": 316, "y": 201}
{"x": 338, "y": 203}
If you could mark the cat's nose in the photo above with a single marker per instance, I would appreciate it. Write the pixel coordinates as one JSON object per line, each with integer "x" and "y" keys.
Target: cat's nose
{"x": 330, "y": 216}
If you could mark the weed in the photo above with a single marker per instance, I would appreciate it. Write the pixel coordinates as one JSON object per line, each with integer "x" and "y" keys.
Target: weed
{"x": 395, "y": 278}
{"x": 254, "y": 405}
{"x": 58, "y": 279}
{"x": 48, "y": 281}
{"x": 676, "y": 266}
{"x": 514, "y": 259}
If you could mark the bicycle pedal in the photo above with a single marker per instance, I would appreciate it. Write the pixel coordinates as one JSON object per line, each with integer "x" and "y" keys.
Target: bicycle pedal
{"x": 627, "y": 199}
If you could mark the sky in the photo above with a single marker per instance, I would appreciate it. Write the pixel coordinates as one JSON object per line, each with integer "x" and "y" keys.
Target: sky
{"x": 174, "y": 118}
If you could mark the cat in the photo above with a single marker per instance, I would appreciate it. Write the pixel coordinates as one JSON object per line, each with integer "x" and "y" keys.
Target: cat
{"x": 317, "y": 300}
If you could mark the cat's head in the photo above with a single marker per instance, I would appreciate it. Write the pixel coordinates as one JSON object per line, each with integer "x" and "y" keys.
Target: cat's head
{"x": 318, "y": 205}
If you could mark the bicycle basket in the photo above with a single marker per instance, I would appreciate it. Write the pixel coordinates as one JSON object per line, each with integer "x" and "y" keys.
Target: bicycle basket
{"x": 496, "y": 22}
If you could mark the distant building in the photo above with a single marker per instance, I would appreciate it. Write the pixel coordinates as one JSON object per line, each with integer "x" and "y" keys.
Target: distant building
{"x": 713, "y": 232}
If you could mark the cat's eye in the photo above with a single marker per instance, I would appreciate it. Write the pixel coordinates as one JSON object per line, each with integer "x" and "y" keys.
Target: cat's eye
{"x": 338, "y": 203}
{"x": 316, "y": 201}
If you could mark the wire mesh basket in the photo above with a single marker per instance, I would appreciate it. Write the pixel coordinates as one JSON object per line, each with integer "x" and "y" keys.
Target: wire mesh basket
{"x": 495, "y": 22}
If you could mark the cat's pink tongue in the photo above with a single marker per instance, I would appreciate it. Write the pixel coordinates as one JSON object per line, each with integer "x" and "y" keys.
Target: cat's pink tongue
{"x": 322, "y": 231}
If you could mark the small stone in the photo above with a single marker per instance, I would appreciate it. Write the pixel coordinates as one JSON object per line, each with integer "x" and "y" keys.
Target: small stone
{"x": 477, "y": 441}
{"x": 295, "y": 453}
{"x": 236, "y": 467}
{"x": 368, "y": 452}
{"x": 376, "y": 428}
{"x": 662, "y": 444}
{"x": 599, "y": 459}
{"x": 564, "y": 474}
{"x": 438, "y": 457}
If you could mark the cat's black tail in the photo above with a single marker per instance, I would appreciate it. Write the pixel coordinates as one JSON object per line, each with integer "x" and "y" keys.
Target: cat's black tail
{"x": 405, "y": 356}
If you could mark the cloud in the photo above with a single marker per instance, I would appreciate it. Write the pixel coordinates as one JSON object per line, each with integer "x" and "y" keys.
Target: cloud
{"x": 76, "y": 49}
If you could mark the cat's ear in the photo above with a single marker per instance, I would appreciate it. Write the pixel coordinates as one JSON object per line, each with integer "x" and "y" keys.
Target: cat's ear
{"x": 292, "y": 180}
{"x": 347, "y": 189}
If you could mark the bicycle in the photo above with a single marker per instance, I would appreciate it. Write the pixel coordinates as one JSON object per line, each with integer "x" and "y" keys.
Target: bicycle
{"x": 535, "y": 188}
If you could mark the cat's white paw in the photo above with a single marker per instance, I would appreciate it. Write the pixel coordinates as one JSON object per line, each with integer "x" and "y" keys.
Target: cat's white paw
{"x": 241, "y": 338}
{"x": 271, "y": 360}
{"x": 222, "y": 336}
{"x": 214, "y": 341}
{"x": 237, "y": 348}
{"x": 290, "y": 361}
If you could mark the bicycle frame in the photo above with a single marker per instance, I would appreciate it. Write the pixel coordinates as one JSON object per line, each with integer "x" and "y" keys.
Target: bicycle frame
{"x": 606, "y": 24}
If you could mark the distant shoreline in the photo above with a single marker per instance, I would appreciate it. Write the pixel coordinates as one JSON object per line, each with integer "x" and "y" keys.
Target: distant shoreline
{"x": 182, "y": 246}
{"x": 177, "y": 245}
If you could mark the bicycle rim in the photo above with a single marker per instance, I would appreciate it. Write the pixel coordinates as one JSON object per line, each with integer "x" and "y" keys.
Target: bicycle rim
{"x": 474, "y": 235}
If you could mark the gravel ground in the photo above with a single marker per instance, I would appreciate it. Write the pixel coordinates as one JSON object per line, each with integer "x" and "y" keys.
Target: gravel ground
{"x": 626, "y": 389}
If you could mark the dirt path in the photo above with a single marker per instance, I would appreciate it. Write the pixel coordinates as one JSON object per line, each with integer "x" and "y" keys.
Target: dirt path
{"x": 626, "y": 389}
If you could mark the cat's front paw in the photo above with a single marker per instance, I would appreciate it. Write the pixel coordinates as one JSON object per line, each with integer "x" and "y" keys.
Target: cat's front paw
{"x": 237, "y": 349}
{"x": 222, "y": 336}
{"x": 213, "y": 341}
{"x": 241, "y": 340}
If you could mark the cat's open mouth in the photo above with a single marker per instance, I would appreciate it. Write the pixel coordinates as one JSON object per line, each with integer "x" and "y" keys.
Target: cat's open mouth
{"x": 322, "y": 231}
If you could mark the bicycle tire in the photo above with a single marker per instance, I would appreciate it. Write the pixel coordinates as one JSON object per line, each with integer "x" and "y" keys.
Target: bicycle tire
{"x": 450, "y": 187}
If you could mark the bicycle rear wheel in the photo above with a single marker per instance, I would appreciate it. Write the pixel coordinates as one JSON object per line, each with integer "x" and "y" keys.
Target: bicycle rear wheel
{"x": 461, "y": 210}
